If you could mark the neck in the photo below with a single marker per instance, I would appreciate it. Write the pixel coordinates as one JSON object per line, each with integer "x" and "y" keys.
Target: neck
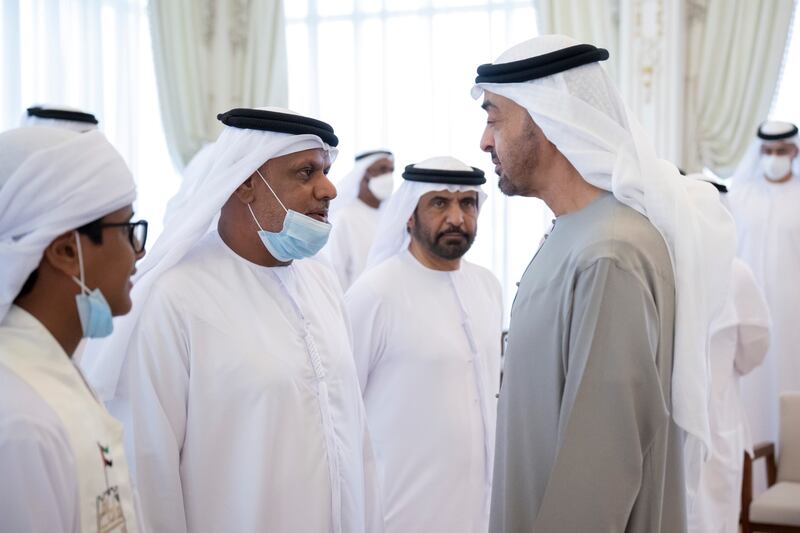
{"x": 246, "y": 244}
{"x": 568, "y": 193}
{"x": 432, "y": 261}
{"x": 784, "y": 179}
{"x": 57, "y": 311}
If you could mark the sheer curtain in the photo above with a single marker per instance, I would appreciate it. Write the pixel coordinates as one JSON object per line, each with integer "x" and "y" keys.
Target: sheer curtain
{"x": 210, "y": 57}
{"x": 590, "y": 21}
{"x": 94, "y": 55}
{"x": 733, "y": 54}
{"x": 786, "y": 105}
{"x": 397, "y": 74}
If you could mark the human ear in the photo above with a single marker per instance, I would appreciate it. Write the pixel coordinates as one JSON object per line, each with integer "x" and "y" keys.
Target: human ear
{"x": 245, "y": 192}
{"x": 62, "y": 254}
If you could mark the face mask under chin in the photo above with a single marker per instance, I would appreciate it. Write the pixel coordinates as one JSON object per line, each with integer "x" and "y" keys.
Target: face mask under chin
{"x": 93, "y": 309}
{"x": 301, "y": 236}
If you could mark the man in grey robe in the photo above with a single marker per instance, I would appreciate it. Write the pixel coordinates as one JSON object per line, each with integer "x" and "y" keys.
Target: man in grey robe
{"x": 605, "y": 363}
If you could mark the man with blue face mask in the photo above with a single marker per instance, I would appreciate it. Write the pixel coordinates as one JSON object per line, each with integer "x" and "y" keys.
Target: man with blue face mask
{"x": 764, "y": 200}
{"x": 67, "y": 252}
{"x": 235, "y": 376}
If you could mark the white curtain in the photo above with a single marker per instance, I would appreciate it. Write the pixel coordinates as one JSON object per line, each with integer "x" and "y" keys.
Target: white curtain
{"x": 94, "y": 55}
{"x": 733, "y": 55}
{"x": 735, "y": 51}
{"x": 211, "y": 56}
{"x": 591, "y": 21}
{"x": 396, "y": 74}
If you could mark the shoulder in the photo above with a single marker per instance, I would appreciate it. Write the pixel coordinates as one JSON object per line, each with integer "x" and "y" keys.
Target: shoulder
{"x": 37, "y": 464}
{"x": 377, "y": 290}
{"x": 483, "y": 276}
{"x": 627, "y": 238}
{"x": 380, "y": 280}
{"x": 26, "y": 418}
{"x": 208, "y": 261}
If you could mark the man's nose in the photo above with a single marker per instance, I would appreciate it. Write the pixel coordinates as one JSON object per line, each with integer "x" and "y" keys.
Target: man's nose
{"x": 325, "y": 189}
{"x": 487, "y": 141}
{"x": 455, "y": 216}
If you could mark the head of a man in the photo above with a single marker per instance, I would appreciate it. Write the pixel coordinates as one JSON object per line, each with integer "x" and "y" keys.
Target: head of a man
{"x": 444, "y": 223}
{"x": 297, "y": 182}
{"x": 369, "y": 194}
{"x": 777, "y": 158}
{"x": 522, "y": 155}
{"x": 109, "y": 248}
{"x": 379, "y": 168}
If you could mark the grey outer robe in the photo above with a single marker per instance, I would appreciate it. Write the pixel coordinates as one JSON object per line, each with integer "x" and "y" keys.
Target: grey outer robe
{"x": 585, "y": 440}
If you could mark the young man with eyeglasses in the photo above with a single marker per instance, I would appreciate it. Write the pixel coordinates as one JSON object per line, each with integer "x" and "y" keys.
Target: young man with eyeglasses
{"x": 68, "y": 249}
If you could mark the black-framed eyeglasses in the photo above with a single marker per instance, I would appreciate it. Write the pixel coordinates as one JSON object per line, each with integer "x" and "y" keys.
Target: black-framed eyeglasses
{"x": 137, "y": 232}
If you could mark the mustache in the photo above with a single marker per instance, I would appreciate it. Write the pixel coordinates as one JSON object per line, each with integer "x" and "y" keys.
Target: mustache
{"x": 451, "y": 230}
{"x": 495, "y": 160}
{"x": 324, "y": 205}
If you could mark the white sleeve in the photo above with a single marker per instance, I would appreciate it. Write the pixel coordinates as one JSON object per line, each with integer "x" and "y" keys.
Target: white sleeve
{"x": 38, "y": 480}
{"x": 369, "y": 339}
{"x": 153, "y": 395}
{"x": 753, "y": 322}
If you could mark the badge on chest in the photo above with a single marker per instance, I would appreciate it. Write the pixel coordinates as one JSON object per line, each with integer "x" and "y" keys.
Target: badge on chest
{"x": 110, "y": 517}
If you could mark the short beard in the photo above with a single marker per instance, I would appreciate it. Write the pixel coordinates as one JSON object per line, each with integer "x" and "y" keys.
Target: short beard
{"x": 529, "y": 148}
{"x": 508, "y": 187}
{"x": 435, "y": 245}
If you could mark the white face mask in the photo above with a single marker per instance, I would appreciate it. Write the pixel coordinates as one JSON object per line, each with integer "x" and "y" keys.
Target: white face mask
{"x": 776, "y": 167}
{"x": 381, "y": 186}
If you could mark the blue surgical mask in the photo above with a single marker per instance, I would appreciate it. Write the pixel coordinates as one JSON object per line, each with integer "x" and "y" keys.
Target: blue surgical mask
{"x": 93, "y": 309}
{"x": 301, "y": 236}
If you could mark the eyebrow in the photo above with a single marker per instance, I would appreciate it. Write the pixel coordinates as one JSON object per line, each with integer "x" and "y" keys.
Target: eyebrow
{"x": 306, "y": 163}
{"x": 487, "y": 104}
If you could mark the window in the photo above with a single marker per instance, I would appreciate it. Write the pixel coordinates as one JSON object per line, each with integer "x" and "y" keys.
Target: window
{"x": 786, "y": 105}
{"x": 95, "y": 56}
{"x": 397, "y": 74}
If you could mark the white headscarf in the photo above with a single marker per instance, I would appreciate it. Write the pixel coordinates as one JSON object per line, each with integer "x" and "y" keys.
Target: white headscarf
{"x": 749, "y": 168}
{"x": 237, "y": 153}
{"x": 197, "y": 168}
{"x": 52, "y": 181}
{"x": 28, "y": 120}
{"x": 392, "y": 236}
{"x": 582, "y": 113}
{"x": 348, "y": 186}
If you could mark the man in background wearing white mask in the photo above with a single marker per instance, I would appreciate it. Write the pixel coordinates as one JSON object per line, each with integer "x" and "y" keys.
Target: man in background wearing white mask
{"x": 67, "y": 253}
{"x": 234, "y": 375}
{"x": 765, "y": 201}
{"x": 355, "y": 213}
